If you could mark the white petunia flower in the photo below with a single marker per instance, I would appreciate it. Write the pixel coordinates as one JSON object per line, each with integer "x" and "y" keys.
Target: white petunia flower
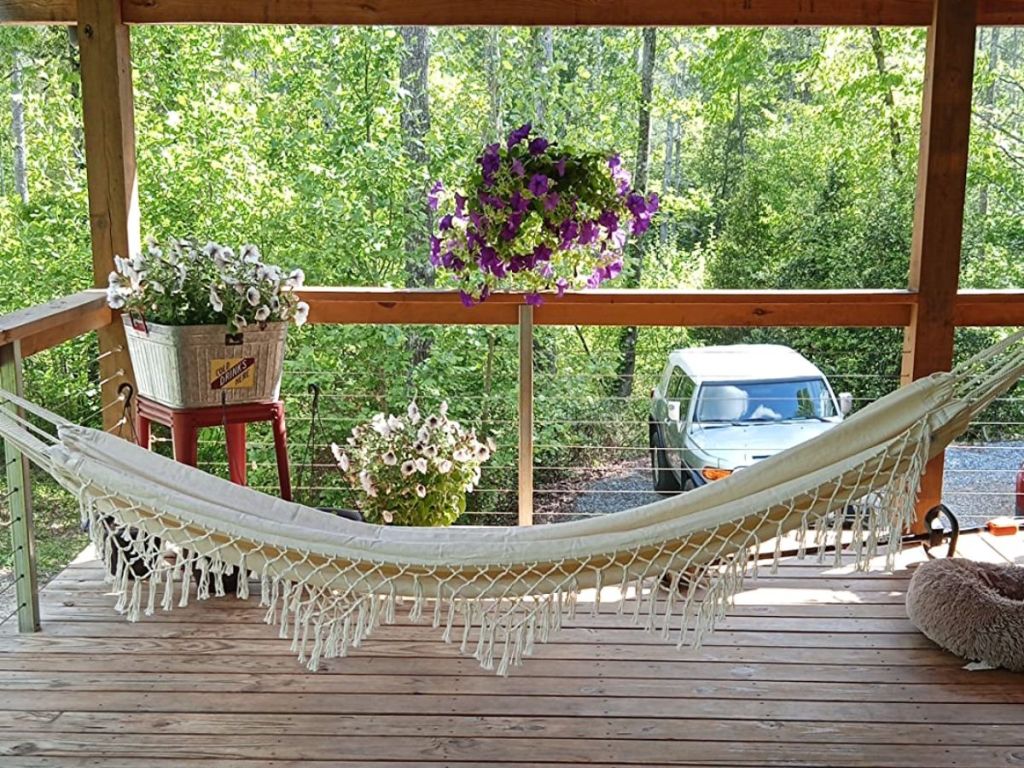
{"x": 215, "y": 300}
{"x": 413, "y": 412}
{"x": 408, "y": 467}
{"x": 389, "y": 458}
{"x": 262, "y": 314}
{"x": 421, "y": 465}
{"x": 491, "y": 445}
{"x": 113, "y": 280}
{"x": 421, "y": 491}
{"x": 387, "y": 516}
{"x": 433, "y": 422}
{"x": 301, "y": 313}
{"x": 297, "y": 278}
{"x": 250, "y": 254}
{"x": 340, "y": 456}
{"x": 114, "y": 298}
{"x": 430, "y": 451}
{"x": 444, "y": 466}
{"x": 395, "y": 423}
{"x": 366, "y": 481}
{"x": 444, "y": 408}
{"x": 462, "y": 455}
{"x": 240, "y": 322}
{"x": 252, "y": 295}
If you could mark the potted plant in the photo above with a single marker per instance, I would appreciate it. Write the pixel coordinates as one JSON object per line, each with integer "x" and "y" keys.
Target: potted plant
{"x": 205, "y": 327}
{"x": 412, "y": 469}
{"x": 537, "y": 218}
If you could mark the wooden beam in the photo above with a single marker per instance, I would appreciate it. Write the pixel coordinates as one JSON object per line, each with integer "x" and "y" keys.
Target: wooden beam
{"x": 882, "y": 308}
{"x": 989, "y": 308}
{"x": 613, "y": 13}
{"x": 110, "y": 161}
{"x": 939, "y": 206}
{"x": 19, "y": 500}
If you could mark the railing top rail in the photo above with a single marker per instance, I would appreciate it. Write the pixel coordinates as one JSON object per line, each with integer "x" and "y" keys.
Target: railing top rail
{"x": 46, "y": 325}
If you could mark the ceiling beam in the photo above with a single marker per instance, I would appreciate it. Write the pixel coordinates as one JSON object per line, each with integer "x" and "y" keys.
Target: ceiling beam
{"x": 525, "y": 12}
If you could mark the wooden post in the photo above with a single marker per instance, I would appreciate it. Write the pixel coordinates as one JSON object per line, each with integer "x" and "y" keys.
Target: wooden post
{"x": 526, "y": 414}
{"x": 19, "y": 501}
{"x": 939, "y": 207}
{"x": 108, "y": 107}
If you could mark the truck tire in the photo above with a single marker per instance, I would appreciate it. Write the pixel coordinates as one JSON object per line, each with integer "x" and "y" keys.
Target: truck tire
{"x": 665, "y": 480}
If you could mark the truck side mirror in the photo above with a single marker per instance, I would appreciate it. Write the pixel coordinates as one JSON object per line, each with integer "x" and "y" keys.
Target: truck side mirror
{"x": 673, "y": 410}
{"x": 845, "y": 403}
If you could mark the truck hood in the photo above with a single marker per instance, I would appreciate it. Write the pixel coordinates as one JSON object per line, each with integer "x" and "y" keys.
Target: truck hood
{"x": 739, "y": 446}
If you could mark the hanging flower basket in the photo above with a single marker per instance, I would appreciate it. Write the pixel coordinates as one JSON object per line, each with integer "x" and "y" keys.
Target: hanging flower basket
{"x": 206, "y": 327}
{"x": 537, "y": 218}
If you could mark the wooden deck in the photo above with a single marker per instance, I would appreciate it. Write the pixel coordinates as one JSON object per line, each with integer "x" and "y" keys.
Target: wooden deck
{"x": 814, "y": 667}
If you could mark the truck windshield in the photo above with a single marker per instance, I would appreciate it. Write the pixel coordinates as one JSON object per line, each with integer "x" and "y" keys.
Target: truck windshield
{"x": 764, "y": 401}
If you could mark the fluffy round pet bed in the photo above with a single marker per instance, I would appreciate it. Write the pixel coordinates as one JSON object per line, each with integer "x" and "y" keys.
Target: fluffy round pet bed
{"x": 975, "y": 610}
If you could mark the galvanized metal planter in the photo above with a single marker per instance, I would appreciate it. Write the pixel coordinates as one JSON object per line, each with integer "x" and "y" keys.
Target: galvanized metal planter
{"x": 194, "y": 366}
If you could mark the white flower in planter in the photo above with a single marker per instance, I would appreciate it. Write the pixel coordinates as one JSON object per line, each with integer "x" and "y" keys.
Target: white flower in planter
{"x": 413, "y": 413}
{"x": 421, "y": 491}
{"x": 250, "y": 254}
{"x": 252, "y": 295}
{"x": 262, "y": 314}
{"x": 389, "y": 458}
{"x": 297, "y": 278}
{"x": 114, "y": 298}
{"x": 301, "y": 313}
{"x": 444, "y": 466}
{"x": 408, "y": 467}
{"x": 340, "y": 456}
{"x": 387, "y": 517}
{"x": 215, "y": 301}
{"x": 421, "y": 465}
{"x": 240, "y": 322}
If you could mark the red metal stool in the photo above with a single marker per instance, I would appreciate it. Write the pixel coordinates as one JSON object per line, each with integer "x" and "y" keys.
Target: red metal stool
{"x": 186, "y": 423}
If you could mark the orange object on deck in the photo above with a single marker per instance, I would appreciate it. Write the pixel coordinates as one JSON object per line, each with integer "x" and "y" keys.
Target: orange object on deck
{"x": 1002, "y": 526}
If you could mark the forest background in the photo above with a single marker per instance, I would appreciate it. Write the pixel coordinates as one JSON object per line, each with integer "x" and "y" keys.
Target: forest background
{"x": 784, "y": 158}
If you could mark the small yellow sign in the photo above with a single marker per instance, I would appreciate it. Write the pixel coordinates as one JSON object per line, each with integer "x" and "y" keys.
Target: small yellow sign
{"x": 233, "y": 373}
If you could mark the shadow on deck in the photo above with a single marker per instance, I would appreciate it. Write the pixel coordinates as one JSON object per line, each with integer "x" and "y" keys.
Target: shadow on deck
{"x": 815, "y": 666}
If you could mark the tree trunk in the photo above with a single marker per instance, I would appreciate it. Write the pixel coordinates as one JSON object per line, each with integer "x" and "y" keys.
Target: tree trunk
{"x": 492, "y": 65}
{"x": 988, "y": 98}
{"x": 634, "y": 260}
{"x": 415, "y": 124}
{"x": 890, "y": 104}
{"x": 18, "y": 128}
{"x": 543, "y": 63}
{"x": 666, "y": 174}
{"x": 77, "y": 129}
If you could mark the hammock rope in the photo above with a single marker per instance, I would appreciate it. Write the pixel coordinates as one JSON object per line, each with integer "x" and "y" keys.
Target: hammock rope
{"x": 172, "y": 532}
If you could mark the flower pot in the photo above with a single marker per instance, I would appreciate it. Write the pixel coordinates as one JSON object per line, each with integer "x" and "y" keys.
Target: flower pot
{"x": 195, "y": 366}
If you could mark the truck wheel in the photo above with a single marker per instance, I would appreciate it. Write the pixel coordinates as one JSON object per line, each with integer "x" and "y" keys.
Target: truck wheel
{"x": 665, "y": 481}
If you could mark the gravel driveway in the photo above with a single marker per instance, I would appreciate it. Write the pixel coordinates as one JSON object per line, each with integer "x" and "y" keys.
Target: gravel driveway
{"x": 979, "y": 483}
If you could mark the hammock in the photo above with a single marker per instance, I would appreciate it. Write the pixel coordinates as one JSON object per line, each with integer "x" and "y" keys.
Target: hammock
{"x": 327, "y": 582}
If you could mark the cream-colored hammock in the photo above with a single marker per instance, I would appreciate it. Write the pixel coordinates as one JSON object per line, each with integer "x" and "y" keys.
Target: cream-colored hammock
{"x": 327, "y": 582}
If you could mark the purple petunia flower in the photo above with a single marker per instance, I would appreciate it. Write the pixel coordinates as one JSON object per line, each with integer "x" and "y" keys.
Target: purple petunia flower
{"x": 569, "y": 231}
{"x": 490, "y": 162}
{"x": 434, "y": 194}
{"x": 546, "y": 271}
{"x": 560, "y": 166}
{"x": 460, "y": 205}
{"x": 534, "y": 299}
{"x": 588, "y": 232}
{"x": 653, "y": 202}
{"x": 636, "y": 204}
{"x": 595, "y": 278}
{"x": 538, "y": 145}
{"x": 640, "y": 224}
{"x": 519, "y": 134}
{"x": 561, "y": 284}
{"x": 609, "y": 220}
{"x": 538, "y": 185}
{"x": 551, "y": 201}
{"x": 511, "y": 228}
{"x": 445, "y": 223}
{"x": 517, "y": 168}
{"x": 542, "y": 253}
{"x": 517, "y": 202}
{"x": 491, "y": 200}
{"x": 467, "y": 300}
{"x": 613, "y": 269}
{"x": 435, "y": 251}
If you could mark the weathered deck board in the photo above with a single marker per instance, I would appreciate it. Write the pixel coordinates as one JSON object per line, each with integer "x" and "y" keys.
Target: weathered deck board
{"x": 816, "y": 666}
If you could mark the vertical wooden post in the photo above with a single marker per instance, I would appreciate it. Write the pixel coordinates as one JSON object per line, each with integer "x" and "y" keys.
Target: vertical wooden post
{"x": 109, "y": 114}
{"x": 939, "y": 206}
{"x": 526, "y": 415}
{"x": 19, "y": 501}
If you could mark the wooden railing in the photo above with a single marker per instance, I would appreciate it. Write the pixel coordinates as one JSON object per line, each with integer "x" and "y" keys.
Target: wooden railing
{"x": 32, "y": 330}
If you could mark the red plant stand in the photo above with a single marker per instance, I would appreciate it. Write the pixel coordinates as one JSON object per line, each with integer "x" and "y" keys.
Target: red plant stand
{"x": 186, "y": 423}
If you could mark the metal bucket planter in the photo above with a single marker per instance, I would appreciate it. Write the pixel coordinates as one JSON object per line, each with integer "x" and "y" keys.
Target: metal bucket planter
{"x": 195, "y": 366}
